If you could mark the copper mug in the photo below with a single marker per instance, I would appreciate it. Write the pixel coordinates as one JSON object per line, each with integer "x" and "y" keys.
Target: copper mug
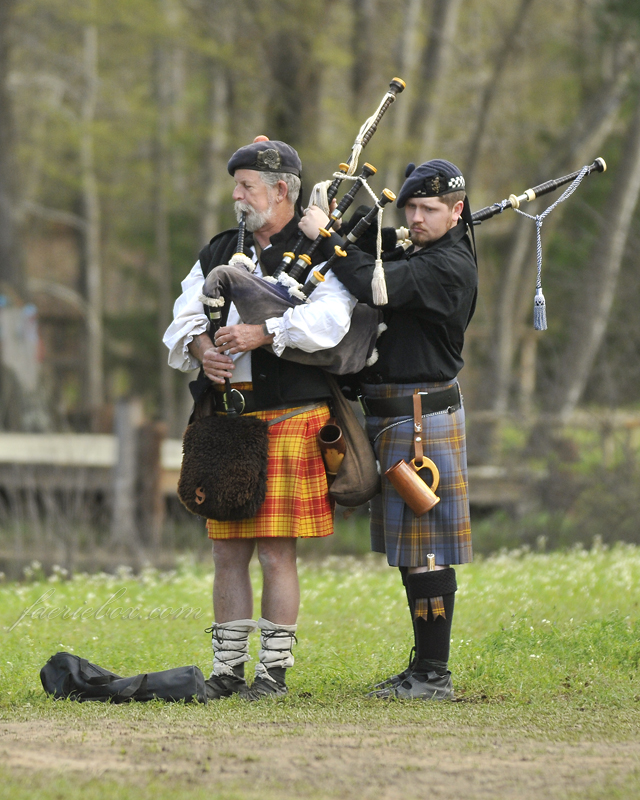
{"x": 418, "y": 495}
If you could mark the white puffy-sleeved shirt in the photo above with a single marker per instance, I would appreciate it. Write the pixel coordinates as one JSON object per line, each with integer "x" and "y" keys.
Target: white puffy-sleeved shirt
{"x": 317, "y": 325}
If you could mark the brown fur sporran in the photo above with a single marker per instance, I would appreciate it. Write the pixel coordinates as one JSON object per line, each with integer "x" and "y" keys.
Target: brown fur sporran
{"x": 224, "y": 467}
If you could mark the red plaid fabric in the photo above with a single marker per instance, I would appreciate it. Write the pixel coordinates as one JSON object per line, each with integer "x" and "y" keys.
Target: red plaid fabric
{"x": 297, "y": 502}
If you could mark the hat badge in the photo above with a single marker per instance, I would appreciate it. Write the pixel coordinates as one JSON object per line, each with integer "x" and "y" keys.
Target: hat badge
{"x": 269, "y": 159}
{"x": 435, "y": 184}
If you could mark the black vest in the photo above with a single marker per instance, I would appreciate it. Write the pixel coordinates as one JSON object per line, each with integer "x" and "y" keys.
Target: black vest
{"x": 275, "y": 380}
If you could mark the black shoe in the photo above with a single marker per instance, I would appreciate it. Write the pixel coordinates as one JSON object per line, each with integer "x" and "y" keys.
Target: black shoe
{"x": 270, "y": 685}
{"x": 219, "y": 686}
{"x": 431, "y": 686}
{"x": 396, "y": 680}
{"x": 262, "y": 687}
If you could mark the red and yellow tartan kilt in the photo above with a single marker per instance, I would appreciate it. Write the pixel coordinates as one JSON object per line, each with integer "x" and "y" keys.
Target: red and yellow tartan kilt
{"x": 297, "y": 503}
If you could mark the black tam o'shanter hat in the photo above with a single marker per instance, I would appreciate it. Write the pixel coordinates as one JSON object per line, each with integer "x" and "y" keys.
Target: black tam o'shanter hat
{"x": 436, "y": 178}
{"x": 432, "y": 179}
{"x": 266, "y": 156}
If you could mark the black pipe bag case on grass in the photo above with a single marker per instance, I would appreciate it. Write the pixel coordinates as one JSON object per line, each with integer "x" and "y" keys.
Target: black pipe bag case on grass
{"x": 66, "y": 676}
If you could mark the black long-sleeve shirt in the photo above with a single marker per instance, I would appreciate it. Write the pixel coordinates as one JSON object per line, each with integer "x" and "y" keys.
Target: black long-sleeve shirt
{"x": 432, "y": 296}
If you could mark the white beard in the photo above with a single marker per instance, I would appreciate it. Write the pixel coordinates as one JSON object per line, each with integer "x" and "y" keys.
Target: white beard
{"x": 255, "y": 219}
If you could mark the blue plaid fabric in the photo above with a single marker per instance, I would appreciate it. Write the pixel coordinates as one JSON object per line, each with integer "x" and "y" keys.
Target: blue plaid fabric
{"x": 445, "y": 530}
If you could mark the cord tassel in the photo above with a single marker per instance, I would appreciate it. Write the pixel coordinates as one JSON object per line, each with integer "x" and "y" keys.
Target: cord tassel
{"x": 379, "y": 285}
{"x": 539, "y": 304}
{"x": 378, "y": 281}
{"x": 539, "y": 311}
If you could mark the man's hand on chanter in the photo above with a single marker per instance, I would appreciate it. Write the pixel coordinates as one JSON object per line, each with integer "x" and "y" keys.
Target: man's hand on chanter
{"x": 217, "y": 366}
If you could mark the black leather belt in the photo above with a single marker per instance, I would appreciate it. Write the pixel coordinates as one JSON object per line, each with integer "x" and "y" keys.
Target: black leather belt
{"x": 244, "y": 401}
{"x": 432, "y": 402}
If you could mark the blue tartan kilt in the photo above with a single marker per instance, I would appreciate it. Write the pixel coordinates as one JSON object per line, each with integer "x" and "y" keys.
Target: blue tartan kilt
{"x": 445, "y": 530}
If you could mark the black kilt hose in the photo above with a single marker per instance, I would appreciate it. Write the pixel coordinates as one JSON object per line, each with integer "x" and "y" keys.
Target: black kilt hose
{"x": 445, "y": 530}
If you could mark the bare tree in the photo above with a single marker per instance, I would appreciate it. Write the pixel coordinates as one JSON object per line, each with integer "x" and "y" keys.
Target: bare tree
{"x": 11, "y": 275}
{"x": 292, "y": 113}
{"x": 162, "y": 172}
{"x": 424, "y": 69}
{"x": 220, "y": 21}
{"x": 215, "y": 172}
{"x": 435, "y": 66}
{"x": 365, "y": 16}
{"x": 409, "y": 47}
{"x": 597, "y": 299}
{"x": 584, "y": 138}
{"x": 507, "y": 48}
{"x": 91, "y": 239}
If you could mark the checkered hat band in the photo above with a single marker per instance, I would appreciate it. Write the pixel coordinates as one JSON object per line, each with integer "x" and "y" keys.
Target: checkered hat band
{"x": 453, "y": 185}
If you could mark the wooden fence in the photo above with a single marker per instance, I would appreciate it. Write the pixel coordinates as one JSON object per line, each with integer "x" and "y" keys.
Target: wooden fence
{"x": 135, "y": 470}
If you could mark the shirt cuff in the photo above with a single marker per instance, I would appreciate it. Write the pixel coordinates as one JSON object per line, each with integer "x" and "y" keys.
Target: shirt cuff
{"x": 180, "y": 356}
{"x": 275, "y": 326}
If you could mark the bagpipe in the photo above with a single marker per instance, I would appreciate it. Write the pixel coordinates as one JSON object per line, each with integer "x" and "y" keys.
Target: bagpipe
{"x": 260, "y": 298}
{"x": 324, "y": 193}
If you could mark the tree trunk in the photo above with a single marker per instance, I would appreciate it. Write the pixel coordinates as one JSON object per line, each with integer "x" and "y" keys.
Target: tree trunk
{"x": 507, "y": 321}
{"x": 509, "y": 44}
{"x": 151, "y": 505}
{"x": 220, "y": 22}
{"x": 124, "y": 529}
{"x": 162, "y": 169}
{"x": 11, "y": 274}
{"x": 362, "y": 38}
{"x": 92, "y": 256}
{"x": 292, "y": 112}
{"x": 585, "y": 137}
{"x": 408, "y": 64}
{"x": 215, "y": 162}
{"x": 591, "y": 326}
{"x": 528, "y": 371}
{"x": 437, "y": 59}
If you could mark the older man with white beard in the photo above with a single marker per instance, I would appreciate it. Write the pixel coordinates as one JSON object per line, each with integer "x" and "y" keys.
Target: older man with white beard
{"x": 297, "y": 505}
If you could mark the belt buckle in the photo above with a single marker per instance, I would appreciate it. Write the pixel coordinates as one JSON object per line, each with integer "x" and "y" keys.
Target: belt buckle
{"x": 363, "y": 406}
{"x": 423, "y": 394}
{"x": 229, "y": 404}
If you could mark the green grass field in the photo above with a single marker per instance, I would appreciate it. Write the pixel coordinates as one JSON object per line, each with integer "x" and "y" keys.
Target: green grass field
{"x": 545, "y": 653}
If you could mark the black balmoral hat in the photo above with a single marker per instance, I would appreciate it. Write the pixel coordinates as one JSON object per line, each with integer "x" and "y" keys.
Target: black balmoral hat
{"x": 431, "y": 179}
{"x": 266, "y": 156}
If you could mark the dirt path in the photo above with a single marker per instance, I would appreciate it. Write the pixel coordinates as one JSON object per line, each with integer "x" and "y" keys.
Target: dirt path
{"x": 275, "y": 760}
